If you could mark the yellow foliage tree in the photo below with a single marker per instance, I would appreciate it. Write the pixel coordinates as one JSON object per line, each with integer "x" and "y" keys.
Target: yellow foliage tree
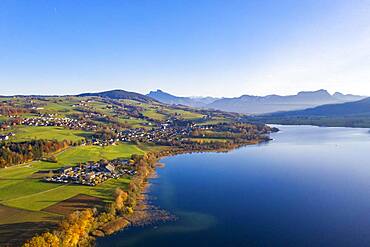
{"x": 45, "y": 240}
{"x": 121, "y": 197}
{"x": 76, "y": 227}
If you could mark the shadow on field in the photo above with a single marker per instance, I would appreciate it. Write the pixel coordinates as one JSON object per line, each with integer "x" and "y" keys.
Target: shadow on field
{"x": 17, "y": 225}
{"x": 17, "y": 233}
{"x": 78, "y": 202}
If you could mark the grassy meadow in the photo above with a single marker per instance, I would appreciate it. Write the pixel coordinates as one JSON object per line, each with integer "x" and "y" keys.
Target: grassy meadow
{"x": 20, "y": 187}
{"x": 24, "y": 133}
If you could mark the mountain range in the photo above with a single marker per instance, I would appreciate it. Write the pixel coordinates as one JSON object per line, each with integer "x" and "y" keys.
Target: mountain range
{"x": 312, "y": 108}
{"x": 176, "y": 100}
{"x": 349, "y": 114}
{"x": 349, "y": 109}
{"x": 249, "y": 104}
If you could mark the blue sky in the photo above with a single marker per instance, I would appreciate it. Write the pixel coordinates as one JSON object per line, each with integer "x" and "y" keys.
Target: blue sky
{"x": 200, "y": 47}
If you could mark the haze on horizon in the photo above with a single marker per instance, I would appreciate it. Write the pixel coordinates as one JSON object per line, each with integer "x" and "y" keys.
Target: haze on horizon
{"x": 187, "y": 48}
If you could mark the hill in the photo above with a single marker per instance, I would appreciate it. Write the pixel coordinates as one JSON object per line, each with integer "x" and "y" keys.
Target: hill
{"x": 120, "y": 94}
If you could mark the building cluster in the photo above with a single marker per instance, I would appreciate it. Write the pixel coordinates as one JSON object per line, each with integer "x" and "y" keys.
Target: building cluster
{"x": 167, "y": 132}
{"x": 83, "y": 103}
{"x": 60, "y": 122}
{"x": 102, "y": 143}
{"x": 92, "y": 173}
{"x": 155, "y": 135}
{"x": 93, "y": 115}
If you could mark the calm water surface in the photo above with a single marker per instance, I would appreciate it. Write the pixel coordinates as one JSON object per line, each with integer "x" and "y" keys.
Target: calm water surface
{"x": 308, "y": 187}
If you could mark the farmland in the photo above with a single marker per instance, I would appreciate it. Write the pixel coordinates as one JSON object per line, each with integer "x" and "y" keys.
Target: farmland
{"x": 25, "y": 198}
{"x": 21, "y": 189}
{"x": 24, "y": 133}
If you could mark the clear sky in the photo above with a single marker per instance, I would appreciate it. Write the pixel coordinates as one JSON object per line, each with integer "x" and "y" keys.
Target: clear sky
{"x": 189, "y": 47}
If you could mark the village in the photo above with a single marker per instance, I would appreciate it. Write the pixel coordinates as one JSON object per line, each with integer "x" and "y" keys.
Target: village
{"x": 91, "y": 173}
{"x": 166, "y": 133}
{"x": 50, "y": 120}
{"x": 106, "y": 130}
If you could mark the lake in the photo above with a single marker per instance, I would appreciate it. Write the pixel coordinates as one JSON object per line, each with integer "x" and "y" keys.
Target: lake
{"x": 310, "y": 186}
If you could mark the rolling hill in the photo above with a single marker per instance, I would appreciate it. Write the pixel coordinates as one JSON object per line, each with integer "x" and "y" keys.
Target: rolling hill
{"x": 120, "y": 94}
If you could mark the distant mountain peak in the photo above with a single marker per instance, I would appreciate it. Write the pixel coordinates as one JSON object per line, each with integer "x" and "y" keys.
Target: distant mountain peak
{"x": 347, "y": 97}
{"x": 338, "y": 94}
{"x": 317, "y": 92}
{"x": 167, "y": 98}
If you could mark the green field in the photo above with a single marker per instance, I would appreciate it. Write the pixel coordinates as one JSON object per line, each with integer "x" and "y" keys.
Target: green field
{"x": 61, "y": 106}
{"x": 24, "y": 133}
{"x": 58, "y": 107}
{"x": 20, "y": 188}
{"x": 134, "y": 122}
{"x": 188, "y": 115}
{"x": 150, "y": 111}
{"x": 216, "y": 120}
{"x": 3, "y": 118}
{"x": 154, "y": 115}
{"x": 53, "y": 107}
{"x": 101, "y": 107}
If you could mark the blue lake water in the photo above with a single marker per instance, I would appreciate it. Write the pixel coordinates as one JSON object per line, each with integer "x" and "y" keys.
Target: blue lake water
{"x": 310, "y": 186}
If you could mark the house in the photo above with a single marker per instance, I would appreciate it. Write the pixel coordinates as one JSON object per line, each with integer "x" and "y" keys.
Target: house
{"x": 109, "y": 168}
{"x": 4, "y": 137}
{"x": 64, "y": 169}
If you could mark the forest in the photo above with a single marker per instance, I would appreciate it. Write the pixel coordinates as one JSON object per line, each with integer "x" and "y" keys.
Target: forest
{"x": 14, "y": 153}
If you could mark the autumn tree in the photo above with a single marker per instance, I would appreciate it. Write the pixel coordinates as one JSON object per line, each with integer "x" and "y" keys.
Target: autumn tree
{"x": 120, "y": 198}
{"x": 76, "y": 227}
{"x": 45, "y": 240}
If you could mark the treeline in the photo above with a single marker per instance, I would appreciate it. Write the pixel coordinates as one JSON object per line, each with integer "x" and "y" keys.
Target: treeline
{"x": 248, "y": 135}
{"x": 187, "y": 145}
{"x": 8, "y": 110}
{"x": 81, "y": 227}
{"x": 72, "y": 231}
{"x": 14, "y": 153}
